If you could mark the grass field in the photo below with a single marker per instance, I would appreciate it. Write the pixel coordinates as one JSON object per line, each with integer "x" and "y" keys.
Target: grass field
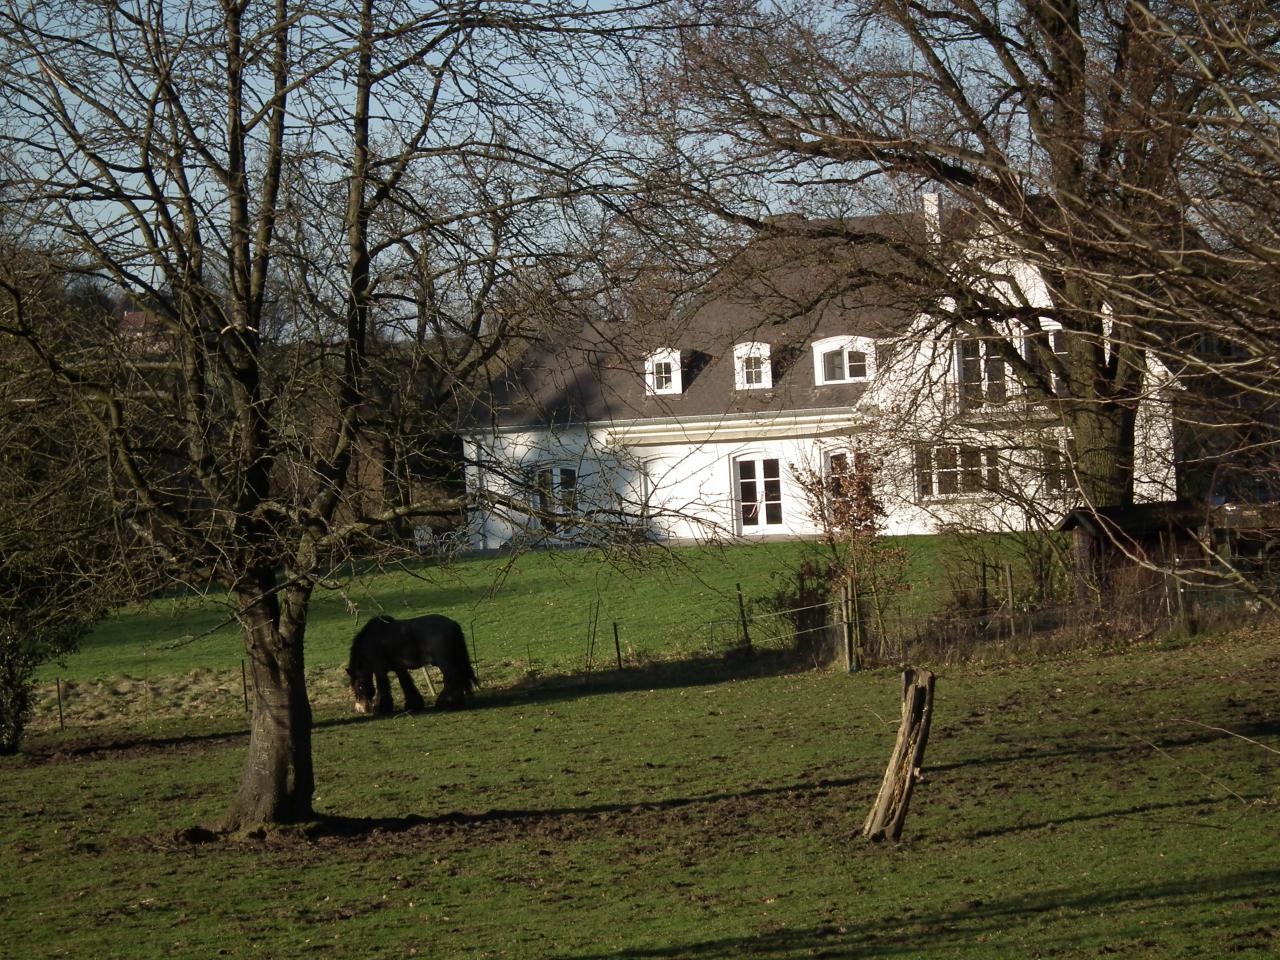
{"x": 525, "y": 616}
{"x": 1102, "y": 803}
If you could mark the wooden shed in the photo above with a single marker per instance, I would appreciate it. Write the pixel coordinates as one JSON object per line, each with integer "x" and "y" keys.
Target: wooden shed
{"x": 1246, "y": 535}
{"x": 1111, "y": 539}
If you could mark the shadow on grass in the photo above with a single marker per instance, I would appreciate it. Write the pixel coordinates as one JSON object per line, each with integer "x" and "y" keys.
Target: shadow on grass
{"x": 518, "y": 821}
{"x": 1144, "y": 812}
{"x": 673, "y": 674}
{"x": 962, "y": 928}
{"x": 1135, "y": 745}
{"x": 736, "y": 664}
{"x": 87, "y": 749}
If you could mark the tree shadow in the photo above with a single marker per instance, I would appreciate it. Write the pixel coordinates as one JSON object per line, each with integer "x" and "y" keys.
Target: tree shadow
{"x": 87, "y": 748}
{"x": 1253, "y": 730}
{"x": 735, "y": 664}
{"x": 1142, "y": 811}
{"x": 516, "y": 820}
{"x": 956, "y": 929}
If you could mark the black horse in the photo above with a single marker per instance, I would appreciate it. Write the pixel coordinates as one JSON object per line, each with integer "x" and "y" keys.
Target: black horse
{"x": 386, "y": 645}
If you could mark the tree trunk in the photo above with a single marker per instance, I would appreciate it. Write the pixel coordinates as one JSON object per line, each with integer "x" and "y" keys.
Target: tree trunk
{"x": 1103, "y": 433}
{"x": 278, "y": 781}
{"x": 890, "y": 809}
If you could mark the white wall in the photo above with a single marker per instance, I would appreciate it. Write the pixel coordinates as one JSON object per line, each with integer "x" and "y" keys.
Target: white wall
{"x": 681, "y": 491}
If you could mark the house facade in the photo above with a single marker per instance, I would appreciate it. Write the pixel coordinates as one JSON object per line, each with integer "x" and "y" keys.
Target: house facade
{"x": 703, "y": 425}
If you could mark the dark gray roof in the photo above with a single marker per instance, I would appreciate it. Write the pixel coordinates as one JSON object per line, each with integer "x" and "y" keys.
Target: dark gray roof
{"x": 787, "y": 292}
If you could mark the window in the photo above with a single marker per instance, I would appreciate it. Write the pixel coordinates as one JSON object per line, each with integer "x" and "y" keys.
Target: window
{"x": 759, "y": 484}
{"x": 555, "y": 496}
{"x": 1040, "y": 347}
{"x": 1219, "y": 346}
{"x": 1056, "y": 469}
{"x": 948, "y": 471}
{"x": 662, "y": 376}
{"x": 834, "y": 471}
{"x": 848, "y": 476}
{"x": 751, "y": 366}
{"x": 980, "y": 373}
{"x": 843, "y": 359}
{"x": 833, "y": 366}
{"x": 1058, "y": 343}
{"x": 662, "y": 372}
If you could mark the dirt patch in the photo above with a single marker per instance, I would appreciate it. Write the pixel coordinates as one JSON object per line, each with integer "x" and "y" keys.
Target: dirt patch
{"x": 698, "y": 823}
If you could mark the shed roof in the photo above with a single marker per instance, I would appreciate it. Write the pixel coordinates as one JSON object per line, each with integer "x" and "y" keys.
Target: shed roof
{"x": 1138, "y": 521}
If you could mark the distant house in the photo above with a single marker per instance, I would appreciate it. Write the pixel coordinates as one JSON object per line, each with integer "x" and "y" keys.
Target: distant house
{"x": 698, "y": 426}
{"x": 143, "y": 333}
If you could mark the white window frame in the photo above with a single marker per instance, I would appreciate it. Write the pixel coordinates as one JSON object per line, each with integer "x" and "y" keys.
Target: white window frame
{"x": 652, "y": 364}
{"x": 1055, "y": 466}
{"x": 993, "y": 386}
{"x": 948, "y": 471}
{"x": 766, "y": 512}
{"x": 1056, "y": 339}
{"x": 754, "y": 351}
{"x": 555, "y": 495}
{"x": 845, "y": 345}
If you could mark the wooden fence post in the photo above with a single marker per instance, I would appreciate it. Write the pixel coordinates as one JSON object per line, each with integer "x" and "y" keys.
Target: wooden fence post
{"x": 617, "y": 644}
{"x": 1008, "y": 586}
{"x": 847, "y": 628}
{"x": 593, "y": 620}
{"x": 742, "y": 616}
{"x": 859, "y": 626}
{"x": 890, "y": 809}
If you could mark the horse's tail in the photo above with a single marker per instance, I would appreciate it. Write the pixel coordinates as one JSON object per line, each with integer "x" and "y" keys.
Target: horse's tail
{"x": 454, "y": 662}
{"x": 466, "y": 672}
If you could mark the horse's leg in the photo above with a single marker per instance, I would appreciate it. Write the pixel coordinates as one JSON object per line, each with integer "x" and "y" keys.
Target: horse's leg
{"x": 452, "y": 697}
{"x": 412, "y": 698}
{"x": 382, "y": 702}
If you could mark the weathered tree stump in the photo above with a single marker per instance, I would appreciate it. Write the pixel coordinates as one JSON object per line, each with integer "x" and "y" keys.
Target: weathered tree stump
{"x": 890, "y": 809}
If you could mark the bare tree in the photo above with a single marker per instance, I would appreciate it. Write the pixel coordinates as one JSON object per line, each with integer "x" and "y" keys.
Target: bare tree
{"x": 61, "y": 566}
{"x": 1110, "y": 146}
{"x": 320, "y": 213}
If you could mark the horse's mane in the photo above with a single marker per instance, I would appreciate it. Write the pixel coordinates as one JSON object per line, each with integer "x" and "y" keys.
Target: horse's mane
{"x": 362, "y": 637}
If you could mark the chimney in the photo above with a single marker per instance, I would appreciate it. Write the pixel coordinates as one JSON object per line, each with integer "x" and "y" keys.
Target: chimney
{"x": 932, "y": 218}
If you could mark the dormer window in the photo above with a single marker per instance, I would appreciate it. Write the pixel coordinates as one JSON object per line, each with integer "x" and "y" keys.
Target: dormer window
{"x": 751, "y": 367}
{"x": 662, "y": 373}
{"x": 843, "y": 359}
{"x": 663, "y": 376}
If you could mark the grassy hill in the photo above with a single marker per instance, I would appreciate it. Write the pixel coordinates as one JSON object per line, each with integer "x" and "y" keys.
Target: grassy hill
{"x": 526, "y": 615}
{"x": 1104, "y": 803}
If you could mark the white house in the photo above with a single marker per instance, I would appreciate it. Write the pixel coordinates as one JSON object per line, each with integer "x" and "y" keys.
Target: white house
{"x": 697, "y": 428}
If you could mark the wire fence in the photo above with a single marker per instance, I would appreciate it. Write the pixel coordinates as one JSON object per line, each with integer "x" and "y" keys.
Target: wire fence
{"x": 851, "y": 631}
{"x": 867, "y": 630}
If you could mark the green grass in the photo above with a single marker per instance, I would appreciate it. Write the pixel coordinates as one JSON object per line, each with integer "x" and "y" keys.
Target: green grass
{"x": 1086, "y": 805}
{"x": 533, "y": 611}
{"x": 1079, "y": 807}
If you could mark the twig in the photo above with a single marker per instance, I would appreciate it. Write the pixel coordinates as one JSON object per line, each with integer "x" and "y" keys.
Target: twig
{"x": 1229, "y": 733}
{"x": 1200, "y": 773}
